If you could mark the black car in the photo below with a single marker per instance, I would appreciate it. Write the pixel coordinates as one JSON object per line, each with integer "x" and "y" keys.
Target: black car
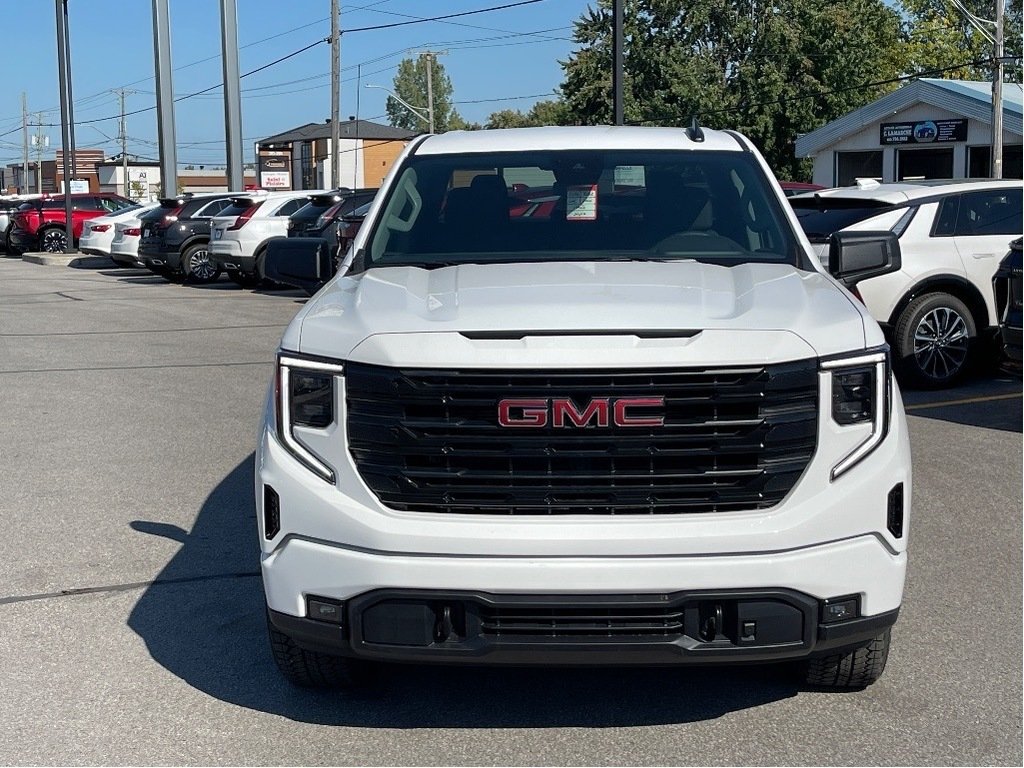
{"x": 1006, "y": 285}
{"x": 175, "y": 236}
{"x": 322, "y": 215}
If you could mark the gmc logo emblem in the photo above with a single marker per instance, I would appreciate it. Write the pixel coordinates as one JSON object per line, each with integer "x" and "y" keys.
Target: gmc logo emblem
{"x": 537, "y": 412}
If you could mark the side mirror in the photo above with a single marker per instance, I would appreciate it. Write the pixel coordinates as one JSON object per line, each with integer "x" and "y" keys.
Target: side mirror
{"x": 856, "y": 256}
{"x": 304, "y": 262}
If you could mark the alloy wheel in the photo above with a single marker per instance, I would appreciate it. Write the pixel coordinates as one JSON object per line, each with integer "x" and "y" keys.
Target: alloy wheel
{"x": 941, "y": 342}
{"x": 54, "y": 241}
{"x": 200, "y": 266}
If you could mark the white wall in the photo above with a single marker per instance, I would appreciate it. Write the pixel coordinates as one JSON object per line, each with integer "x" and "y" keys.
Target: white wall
{"x": 868, "y": 139}
{"x": 350, "y": 165}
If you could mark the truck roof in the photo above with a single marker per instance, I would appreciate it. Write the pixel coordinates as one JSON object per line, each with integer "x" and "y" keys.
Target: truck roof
{"x": 573, "y": 137}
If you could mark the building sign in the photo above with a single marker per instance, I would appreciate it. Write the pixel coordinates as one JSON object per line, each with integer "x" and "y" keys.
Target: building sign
{"x": 275, "y": 170}
{"x": 138, "y": 184}
{"x": 78, "y": 186}
{"x": 923, "y": 131}
{"x": 275, "y": 180}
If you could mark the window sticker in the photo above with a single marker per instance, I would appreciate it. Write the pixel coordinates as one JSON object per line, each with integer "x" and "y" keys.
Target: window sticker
{"x": 581, "y": 202}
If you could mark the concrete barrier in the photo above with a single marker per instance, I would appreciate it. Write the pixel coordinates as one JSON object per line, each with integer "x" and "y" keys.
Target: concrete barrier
{"x": 66, "y": 259}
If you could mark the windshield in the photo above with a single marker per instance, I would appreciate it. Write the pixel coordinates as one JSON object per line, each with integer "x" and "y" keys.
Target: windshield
{"x": 820, "y": 217}
{"x": 580, "y": 205}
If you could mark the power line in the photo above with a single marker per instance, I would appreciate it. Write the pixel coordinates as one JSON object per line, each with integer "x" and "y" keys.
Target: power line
{"x": 196, "y": 93}
{"x": 421, "y": 20}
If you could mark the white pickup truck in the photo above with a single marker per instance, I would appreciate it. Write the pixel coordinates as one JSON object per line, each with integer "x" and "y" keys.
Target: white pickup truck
{"x": 583, "y": 396}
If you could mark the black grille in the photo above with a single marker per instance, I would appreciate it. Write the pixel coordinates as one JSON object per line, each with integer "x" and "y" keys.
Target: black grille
{"x": 429, "y": 441}
{"x": 565, "y": 621}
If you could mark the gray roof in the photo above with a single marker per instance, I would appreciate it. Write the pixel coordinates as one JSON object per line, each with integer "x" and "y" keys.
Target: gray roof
{"x": 973, "y": 100}
{"x": 350, "y": 129}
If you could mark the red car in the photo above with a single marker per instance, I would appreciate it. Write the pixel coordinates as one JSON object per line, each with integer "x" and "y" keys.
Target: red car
{"x": 39, "y": 224}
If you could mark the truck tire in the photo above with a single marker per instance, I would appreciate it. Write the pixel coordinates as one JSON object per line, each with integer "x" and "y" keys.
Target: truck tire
{"x": 852, "y": 670}
{"x": 935, "y": 340}
{"x": 309, "y": 669}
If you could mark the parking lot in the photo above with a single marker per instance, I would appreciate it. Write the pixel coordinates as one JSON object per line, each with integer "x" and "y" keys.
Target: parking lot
{"x": 131, "y": 612}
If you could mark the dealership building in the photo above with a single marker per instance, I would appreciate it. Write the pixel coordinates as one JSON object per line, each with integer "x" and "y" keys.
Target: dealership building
{"x": 927, "y": 129}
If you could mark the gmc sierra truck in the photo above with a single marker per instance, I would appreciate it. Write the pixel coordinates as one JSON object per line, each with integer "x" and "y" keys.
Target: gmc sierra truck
{"x": 583, "y": 396}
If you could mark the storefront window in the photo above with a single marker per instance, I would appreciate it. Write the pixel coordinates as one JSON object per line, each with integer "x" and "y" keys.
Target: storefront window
{"x": 978, "y": 157}
{"x": 851, "y": 166}
{"x": 934, "y": 163}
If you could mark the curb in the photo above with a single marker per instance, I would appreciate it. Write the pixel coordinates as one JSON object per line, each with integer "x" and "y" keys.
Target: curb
{"x": 66, "y": 260}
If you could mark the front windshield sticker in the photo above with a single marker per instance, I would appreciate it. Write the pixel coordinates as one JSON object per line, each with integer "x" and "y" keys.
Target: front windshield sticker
{"x": 581, "y": 202}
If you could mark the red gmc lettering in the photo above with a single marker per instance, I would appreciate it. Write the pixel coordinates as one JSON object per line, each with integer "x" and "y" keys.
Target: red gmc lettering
{"x": 533, "y": 412}
{"x": 623, "y": 419}
{"x": 563, "y": 407}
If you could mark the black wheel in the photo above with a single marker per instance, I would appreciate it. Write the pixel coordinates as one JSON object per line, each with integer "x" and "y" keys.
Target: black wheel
{"x": 852, "y": 670}
{"x": 9, "y": 246}
{"x": 197, "y": 266}
{"x": 935, "y": 340}
{"x": 53, "y": 240}
{"x": 243, "y": 279}
{"x": 308, "y": 669}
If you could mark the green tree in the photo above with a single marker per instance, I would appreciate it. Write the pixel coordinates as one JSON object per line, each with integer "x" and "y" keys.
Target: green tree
{"x": 747, "y": 64}
{"x": 549, "y": 112}
{"x": 939, "y": 35}
{"x": 410, "y": 84}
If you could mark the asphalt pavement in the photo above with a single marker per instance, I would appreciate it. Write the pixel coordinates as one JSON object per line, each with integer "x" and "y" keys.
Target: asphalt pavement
{"x": 131, "y": 614}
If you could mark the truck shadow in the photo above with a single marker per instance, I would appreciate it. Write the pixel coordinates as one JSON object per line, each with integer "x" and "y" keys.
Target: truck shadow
{"x": 203, "y": 620}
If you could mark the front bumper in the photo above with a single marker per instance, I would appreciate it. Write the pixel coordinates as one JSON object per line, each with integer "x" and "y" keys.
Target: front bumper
{"x": 474, "y": 627}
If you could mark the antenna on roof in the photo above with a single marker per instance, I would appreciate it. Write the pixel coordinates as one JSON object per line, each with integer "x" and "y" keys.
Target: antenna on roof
{"x": 694, "y": 132}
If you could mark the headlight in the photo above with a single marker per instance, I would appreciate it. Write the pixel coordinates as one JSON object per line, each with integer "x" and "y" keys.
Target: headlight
{"x": 860, "y": 396}
{"x": 305, "y": 398}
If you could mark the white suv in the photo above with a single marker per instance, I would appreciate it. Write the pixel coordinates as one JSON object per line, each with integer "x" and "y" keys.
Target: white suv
{"x": 240, "y": 233}
{"x": 583, "y": 396}
{"x": 938, "y": 307}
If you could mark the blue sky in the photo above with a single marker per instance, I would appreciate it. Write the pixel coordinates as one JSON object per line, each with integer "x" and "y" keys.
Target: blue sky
{"x": 111, "y": 46}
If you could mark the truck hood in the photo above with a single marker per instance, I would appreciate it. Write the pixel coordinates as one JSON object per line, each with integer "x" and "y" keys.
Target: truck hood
{"x": 584, "y": 298}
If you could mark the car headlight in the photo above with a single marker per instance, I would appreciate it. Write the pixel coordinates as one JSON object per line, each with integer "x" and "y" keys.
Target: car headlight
{"x": 305, "y": 398}
{"x": 860, "y": 396}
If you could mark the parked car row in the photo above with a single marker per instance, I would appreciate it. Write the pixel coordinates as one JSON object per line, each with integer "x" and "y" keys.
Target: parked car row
{"x": 39, "y": 222}
{"x": 199, "y": 237}
{"x": 939, "y": 309}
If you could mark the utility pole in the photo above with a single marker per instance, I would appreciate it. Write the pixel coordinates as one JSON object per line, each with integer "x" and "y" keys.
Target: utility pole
{"x": 164, "y": 99}
{"x": 40, "y": 141}
{"x": 430, "y": 57}
{"x": 997, "y": 96}
{"x": 617, "y": 73}
{"x": 232, "y": 94}
{"x": 24, "y": 136}
{"x": 123, "y": 137}
{"x": 335, "y": 93}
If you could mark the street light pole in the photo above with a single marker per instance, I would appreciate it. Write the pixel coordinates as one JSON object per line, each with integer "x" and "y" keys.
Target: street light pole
{"x": 65, "y": 138}
{"x": 164, "y": 99}
{"x": 232, "y": 94}
{"x": 997, "y": 96}
{"x": 418, "y": 111}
